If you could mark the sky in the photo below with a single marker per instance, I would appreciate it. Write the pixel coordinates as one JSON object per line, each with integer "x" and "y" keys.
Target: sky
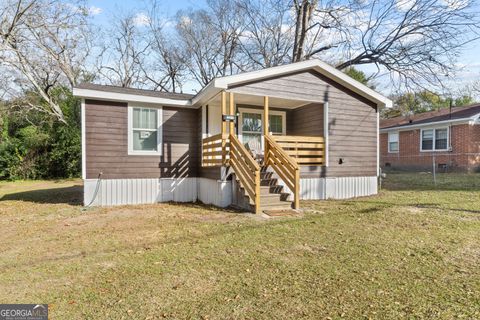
{"x": 103, "y": 11}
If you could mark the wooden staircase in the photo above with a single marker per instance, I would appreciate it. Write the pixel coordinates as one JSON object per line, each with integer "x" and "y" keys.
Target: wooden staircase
{"x": 272, "y": 195}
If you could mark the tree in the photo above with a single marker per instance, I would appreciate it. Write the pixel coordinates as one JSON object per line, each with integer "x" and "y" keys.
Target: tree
{"x": 122, "y": 58}
{"x": 359, "y": 75}
{"x": 43, "y": 44}
{"x": 211, "y": 39}
{"x": 423, "y": 101}
{"x": 268, "y": 35}
{"x": 167, "y": 66}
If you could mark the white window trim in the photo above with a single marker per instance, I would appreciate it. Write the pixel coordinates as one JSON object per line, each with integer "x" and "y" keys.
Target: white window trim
{"x": 398, "y": 141}
{"x": 434, "y": 139}
{"x": 132, "y": 152}
{"x": 260, "y": 111}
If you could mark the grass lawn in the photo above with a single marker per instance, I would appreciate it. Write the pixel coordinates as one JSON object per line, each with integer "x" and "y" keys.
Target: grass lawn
{"x": 413, "y": 251}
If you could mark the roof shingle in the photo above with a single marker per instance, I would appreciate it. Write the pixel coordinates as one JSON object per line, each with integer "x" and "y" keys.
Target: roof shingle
{"x": 143, "y": 92}
{"x": 431, "y": 116}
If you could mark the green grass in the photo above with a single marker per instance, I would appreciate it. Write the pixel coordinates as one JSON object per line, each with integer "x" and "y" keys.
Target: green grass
{"x": 413, "y": 251}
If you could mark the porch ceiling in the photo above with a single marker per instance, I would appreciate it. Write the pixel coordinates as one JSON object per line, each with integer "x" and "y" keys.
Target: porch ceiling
{"x": 247, "y": 99}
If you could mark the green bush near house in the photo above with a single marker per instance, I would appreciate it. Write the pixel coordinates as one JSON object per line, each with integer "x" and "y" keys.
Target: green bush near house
{"x": 34, "y": 146}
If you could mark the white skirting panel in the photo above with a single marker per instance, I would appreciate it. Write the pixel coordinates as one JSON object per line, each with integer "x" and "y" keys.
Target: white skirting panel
{"x": 334, "y": 188}
{"x": 216, "y": 192}
{"x": 350, "y": 187}
{"x": 178, "y": 189}
{"x": 120, "y": 191}
{"x": 219, "y": 193}
{"x": 140, "y": 191}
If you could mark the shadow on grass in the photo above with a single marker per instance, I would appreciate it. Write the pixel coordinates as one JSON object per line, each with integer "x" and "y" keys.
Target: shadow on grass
{"x": 68, "y": 195}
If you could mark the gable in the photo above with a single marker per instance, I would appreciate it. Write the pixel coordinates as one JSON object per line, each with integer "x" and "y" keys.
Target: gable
{"x": 309, "y": 86}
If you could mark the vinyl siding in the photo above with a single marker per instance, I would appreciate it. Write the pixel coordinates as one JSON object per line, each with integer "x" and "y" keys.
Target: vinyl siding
{"x": 106, "y": 130}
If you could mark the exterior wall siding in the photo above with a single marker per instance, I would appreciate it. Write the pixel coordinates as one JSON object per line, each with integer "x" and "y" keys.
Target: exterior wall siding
{"x": 464, "y": 155}
{"x": 352, "y": 121}
{"x": 106, "y": 135}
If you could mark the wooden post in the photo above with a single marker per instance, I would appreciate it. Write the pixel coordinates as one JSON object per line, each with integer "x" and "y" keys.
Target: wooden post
{"x": 224, "y": 111}
{"x": 257, "y": 192}
{"x": 265, "y": 128}
{"x": 232, "y": 112}
{"x": 224, "y": 127}
{"x": 265, "y": 115}
{"x": 296, "y": 192}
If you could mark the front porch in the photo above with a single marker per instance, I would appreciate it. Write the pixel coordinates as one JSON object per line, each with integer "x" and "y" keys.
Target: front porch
{"x": 290, "y": 134}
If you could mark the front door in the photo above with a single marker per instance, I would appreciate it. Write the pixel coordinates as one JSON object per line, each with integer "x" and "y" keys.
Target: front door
{"x": 251, "y": 127}
{"x": 251, "y": 124}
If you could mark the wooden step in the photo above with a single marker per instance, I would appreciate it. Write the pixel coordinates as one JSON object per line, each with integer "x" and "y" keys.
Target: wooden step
{"x": 269, "y": 182}
{"x": 280, "y": 205}
{"x": 271, "y": 189}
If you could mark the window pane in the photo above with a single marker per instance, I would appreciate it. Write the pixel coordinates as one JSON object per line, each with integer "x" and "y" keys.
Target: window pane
{"x": 144, "y": 118}
{"x": 276, "y": 124}
{"x": 136, "y": 117}
{"x": 393, "y": 137}
{"x": 393, "y": 146}
{"x": 427, "y": 140}
{"x": 144, "y": 140}
{"x": 252, "y": 122}
{"x": 152, "y": 119}
{"x": 441, "y": 139}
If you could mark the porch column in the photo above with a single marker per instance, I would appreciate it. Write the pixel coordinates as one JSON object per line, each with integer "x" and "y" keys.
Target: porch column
{"x": 224, "y": 127}
{"x": 265, "y": 116}
{"x": 224, "y": 111}
{"x": 232, "y": 112}
{"x": 265, "y": 129}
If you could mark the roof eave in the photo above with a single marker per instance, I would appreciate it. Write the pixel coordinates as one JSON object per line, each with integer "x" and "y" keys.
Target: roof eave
{"x": 126, "y": 97}
{"x": 426, "y": 124}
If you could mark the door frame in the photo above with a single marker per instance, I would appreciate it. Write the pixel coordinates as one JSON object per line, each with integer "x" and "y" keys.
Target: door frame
{"x": 261, "y": 112}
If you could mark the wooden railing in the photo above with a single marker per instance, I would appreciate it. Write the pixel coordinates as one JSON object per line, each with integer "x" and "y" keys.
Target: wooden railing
{"x": 305, "y": 150}
{"x": 283, "y": 165}
{"x": 215, "y": 150}
{"x": 246, "y": 169}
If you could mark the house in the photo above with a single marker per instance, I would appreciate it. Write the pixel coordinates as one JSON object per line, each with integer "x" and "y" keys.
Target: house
{"x": 317, "y": 127}
{"x": 447, "y": 139}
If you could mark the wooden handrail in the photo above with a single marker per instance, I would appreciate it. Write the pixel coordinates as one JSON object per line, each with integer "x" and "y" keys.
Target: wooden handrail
{"x": 283, "y": 165}
{"x": 246, "y": 169}
{"x": 214, "y": 150}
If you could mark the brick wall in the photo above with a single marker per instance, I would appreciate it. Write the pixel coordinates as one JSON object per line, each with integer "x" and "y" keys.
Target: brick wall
{"x": 464, "y": 156}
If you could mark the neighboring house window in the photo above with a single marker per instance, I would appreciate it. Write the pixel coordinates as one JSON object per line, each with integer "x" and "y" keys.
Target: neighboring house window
{"x": 144, "y": 131}
{"x": 393, "y": 142}
{"x": 434, "y": 139}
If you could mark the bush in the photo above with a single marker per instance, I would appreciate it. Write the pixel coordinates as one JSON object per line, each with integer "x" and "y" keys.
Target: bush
{"x": 35, "y": 146}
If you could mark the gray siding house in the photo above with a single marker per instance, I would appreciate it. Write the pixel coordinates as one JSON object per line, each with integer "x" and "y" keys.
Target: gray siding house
{"x": 258, "y": 140}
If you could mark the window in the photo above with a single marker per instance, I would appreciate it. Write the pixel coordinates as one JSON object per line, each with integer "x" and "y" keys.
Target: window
{"x": 393, "y": 142}
{"x": 427, "y": 139}
{"x": 434, "y": 139}
{"x": 144, "y": 131}
{"x": 276, "y": 124}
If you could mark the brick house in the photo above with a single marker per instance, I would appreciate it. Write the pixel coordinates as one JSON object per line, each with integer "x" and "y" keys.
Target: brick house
{"x": 450, "y": 140}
